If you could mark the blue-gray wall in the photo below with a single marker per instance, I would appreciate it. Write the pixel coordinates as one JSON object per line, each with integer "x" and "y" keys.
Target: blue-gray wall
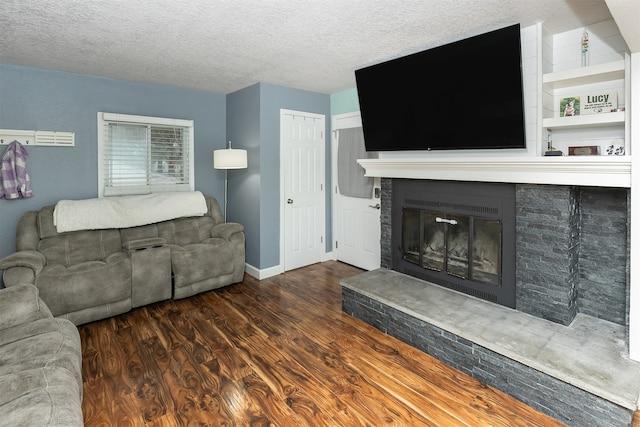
{"x": 243, "y": 130}
{"x": 34, "y": 99}
{"x": 253, "y": 113}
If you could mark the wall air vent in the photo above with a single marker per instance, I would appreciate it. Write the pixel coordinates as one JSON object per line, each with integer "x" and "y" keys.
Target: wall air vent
{"x": 33, "y": 137}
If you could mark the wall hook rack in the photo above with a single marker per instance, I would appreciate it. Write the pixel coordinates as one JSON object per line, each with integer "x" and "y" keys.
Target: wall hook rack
{"x": 34, "y": 137}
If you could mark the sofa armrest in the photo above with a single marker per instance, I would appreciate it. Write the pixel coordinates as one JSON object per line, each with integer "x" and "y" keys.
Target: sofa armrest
{"x": 29, "y": 259}
{"x": 21, "y": 304}
{"x": 139, "y": 244}
{"x": 226, "y": 230}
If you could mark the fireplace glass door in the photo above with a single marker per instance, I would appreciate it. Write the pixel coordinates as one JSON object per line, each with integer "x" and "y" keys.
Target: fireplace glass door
{"x": 463, "y": 246}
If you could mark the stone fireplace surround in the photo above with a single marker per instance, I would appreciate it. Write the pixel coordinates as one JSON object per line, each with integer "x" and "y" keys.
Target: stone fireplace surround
{"x": 571, "y": 250}
{"x": 572, "y": 257}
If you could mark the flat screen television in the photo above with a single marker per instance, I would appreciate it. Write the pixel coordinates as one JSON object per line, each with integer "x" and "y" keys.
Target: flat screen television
{"x": 463, "y": 95}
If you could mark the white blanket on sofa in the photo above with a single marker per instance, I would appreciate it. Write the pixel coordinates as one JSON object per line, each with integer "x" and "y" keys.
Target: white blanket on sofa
{"x": 126, "y": 211}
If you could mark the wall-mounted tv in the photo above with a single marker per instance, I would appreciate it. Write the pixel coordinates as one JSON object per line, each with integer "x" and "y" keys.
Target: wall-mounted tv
{"x": 463, "y": 95}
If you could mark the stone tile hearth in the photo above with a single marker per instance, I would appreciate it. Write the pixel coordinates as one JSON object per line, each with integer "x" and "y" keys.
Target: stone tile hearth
{"x": 563, "y": 350}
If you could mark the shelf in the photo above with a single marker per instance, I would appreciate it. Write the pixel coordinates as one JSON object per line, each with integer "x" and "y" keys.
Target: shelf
{"x": 600, "y": 171}
{"x": 592, "y": 120}
{"x": 586, "y": 75}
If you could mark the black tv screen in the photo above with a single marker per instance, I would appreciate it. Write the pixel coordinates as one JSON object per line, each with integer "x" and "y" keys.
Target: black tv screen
{"x": 462, "y": 95}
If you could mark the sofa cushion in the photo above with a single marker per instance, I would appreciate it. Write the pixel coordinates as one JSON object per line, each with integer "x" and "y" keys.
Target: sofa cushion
{"x": 21, "y": 304}
{"x": 38, "y": 344}
{"x": 40, "y": 370}
{"x": 192, "y": 263}
{"x": 45, "y": 222}
{"x": 45, "y": 396}
{"x": 80, "y": 246}
{"x": 27, "y": 236}
{"x": 90, "y": 284}
{"x": 186, "y": 231}
{"x": 139, "y": 233}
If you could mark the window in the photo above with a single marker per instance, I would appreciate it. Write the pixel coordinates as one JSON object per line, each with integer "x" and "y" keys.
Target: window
{"x": 141, "y": 155}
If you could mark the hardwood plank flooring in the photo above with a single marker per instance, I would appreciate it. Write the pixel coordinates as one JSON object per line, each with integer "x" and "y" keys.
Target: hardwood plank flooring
{"x": 276, "y": 352}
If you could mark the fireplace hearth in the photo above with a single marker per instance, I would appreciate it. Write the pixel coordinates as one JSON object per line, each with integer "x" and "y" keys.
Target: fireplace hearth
{"x": 460, "y": 235}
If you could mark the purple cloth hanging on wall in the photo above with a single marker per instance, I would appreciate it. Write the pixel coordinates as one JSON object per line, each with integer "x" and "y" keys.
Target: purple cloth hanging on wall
{"x": 14, "y": 178}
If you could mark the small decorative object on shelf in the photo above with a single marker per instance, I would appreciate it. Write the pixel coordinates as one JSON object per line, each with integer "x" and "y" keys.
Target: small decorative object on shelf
{"x": 615, "y": 150}
{"x": 551, "y": 150}
{"x": 599, "y": 103}
{"x": 584, "y": 48}
{"x": 587, "y": 150}
{"x": 570, "y": 106}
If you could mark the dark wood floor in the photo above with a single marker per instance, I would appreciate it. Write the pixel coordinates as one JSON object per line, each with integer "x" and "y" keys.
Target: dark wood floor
{"x": 275, "y": 352}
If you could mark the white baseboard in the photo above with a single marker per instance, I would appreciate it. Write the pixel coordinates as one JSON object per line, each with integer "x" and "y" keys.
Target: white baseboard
{"x": 264, "y": 273}
{"x": 279, "y": 269}
{"x": 329, "y": 256}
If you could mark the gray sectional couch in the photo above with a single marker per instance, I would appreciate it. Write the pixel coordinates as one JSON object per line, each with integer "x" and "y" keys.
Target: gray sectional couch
{"x": 40, "y": 363}
{"x": 89, "y": 275}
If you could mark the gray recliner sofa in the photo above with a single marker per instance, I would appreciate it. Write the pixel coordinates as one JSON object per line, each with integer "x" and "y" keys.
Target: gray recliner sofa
{"x": 89, "y": 275}
{"x": 40, "y": 363}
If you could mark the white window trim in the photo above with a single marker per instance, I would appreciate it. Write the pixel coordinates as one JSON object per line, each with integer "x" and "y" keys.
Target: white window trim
{"x": 148, "y": 120}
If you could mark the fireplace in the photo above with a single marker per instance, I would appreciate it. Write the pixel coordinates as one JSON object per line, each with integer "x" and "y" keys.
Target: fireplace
{"x": 571, "y": 263}
{"x": 464, "y": 246}
{"x": 460, "y": 235}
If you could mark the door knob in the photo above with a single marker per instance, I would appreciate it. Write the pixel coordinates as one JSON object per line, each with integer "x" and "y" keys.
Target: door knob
{"x": 289, "y": 201}
{"x": 376, "y": 206}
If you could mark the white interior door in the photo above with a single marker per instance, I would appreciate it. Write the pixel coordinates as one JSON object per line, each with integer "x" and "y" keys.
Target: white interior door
{"x": 356, "y": 220}
{"x": 302, "y": 146}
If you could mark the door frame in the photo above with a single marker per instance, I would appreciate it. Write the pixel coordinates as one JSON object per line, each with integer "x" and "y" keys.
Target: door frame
{"x": 322, "y": 220}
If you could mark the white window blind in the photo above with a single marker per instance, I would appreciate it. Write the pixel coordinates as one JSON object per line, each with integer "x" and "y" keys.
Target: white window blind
{"x": 140, "y": 155}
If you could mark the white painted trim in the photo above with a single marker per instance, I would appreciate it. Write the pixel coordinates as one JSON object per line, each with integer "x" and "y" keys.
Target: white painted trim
{"x": 256, "y": 273}
{"x": 252, "y": 271}
{"x": 143, "y": 120}
{"x": 600, "y": 171}
{"x": 634, "y": 250}
{"x": 262, "y": 274}
{"x": 539, "y": 89}
{"x": 329, "y": 256}
{"x": 346, "y": 121}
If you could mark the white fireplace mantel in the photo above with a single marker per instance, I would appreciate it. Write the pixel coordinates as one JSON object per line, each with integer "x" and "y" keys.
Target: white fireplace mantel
{"x": 600, "y": 171}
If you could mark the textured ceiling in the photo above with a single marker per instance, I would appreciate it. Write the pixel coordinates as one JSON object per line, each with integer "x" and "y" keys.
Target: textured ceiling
{"x": 226, "y": 45}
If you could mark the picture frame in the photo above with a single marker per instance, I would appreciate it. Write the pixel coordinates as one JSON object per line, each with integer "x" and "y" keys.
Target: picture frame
{"x": 597, "y": 103}
{"x": 586, "y": 150}
{"x": 570, "y": 106}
